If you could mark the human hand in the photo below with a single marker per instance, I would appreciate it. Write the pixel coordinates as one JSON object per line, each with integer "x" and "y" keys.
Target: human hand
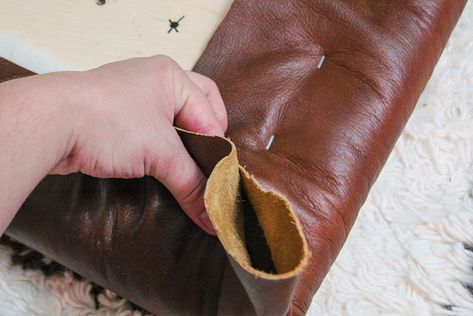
{"x": 124, "y": 126}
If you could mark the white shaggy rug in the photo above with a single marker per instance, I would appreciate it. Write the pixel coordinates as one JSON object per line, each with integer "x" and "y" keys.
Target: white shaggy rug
{"x": 411, "y": 249}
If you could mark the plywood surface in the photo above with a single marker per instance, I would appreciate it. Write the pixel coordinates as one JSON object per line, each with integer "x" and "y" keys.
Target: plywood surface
{"x": 79, "y": 34}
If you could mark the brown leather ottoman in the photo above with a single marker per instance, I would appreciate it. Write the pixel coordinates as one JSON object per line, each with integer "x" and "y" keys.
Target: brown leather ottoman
{"x": 317, "y": 93}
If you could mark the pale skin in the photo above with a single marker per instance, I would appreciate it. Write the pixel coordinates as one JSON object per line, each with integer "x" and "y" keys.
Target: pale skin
{"x": 116, "y": 121}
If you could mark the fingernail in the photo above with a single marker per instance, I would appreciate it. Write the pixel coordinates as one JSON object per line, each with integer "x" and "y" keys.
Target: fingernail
{"x": 204, "y": 218}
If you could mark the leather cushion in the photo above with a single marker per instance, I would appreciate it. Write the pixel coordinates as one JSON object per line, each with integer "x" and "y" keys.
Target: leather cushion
{"x": 334, "y": 123}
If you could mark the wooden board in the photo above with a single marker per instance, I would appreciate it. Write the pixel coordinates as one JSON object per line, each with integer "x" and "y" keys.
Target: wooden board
{"x": 79, "y": 34}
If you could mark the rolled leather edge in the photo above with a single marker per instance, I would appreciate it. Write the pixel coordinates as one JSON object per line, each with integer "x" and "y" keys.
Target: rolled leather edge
{"x": 224, "y": 205}
{"x": 270, "y": 293}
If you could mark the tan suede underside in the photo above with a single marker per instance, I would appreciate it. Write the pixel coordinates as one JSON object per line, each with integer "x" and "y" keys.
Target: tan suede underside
{"x": 280, "y": 225}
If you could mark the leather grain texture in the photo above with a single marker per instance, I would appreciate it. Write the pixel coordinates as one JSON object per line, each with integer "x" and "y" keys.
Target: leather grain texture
{"x": 335, "y": 123}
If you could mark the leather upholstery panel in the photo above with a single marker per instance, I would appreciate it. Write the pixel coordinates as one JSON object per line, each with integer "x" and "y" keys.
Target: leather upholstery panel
{"x": 334, "y": 123}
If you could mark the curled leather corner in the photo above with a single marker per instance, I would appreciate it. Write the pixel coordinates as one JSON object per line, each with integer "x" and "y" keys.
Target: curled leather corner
{"x": 258, "y": 229}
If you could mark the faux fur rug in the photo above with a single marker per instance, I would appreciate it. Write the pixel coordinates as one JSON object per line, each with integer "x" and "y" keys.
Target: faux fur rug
{"x": 410, "y": 252}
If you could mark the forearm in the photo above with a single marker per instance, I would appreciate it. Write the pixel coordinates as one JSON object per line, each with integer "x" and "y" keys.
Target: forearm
{"x": 36, "y": 123}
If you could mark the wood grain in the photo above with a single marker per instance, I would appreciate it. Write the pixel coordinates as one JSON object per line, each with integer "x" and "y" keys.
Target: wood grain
{"x": 79, "y": 34}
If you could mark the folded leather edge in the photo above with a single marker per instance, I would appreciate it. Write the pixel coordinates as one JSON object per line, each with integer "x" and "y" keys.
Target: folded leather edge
{"x": 229, "y": 186}
{"x": 224, "y": 204}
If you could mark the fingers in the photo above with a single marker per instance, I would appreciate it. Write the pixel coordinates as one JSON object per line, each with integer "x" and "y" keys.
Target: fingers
{"x": 194, "y": 110}
{"x": 182, "y": 177}
{"x": 210, "y": 89}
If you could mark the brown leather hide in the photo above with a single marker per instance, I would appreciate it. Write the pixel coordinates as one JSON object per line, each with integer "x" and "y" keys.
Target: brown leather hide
{"x": 334, "y": 127}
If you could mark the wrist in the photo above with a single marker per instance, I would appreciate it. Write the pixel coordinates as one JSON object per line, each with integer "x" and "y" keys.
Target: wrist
{"x": 38, "y": 117}
{"x": 68, "y": 109}
{"x": 46, "y": 106}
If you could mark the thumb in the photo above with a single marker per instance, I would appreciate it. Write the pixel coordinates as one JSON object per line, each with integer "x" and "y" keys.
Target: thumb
{"x": 183, "y": 178}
